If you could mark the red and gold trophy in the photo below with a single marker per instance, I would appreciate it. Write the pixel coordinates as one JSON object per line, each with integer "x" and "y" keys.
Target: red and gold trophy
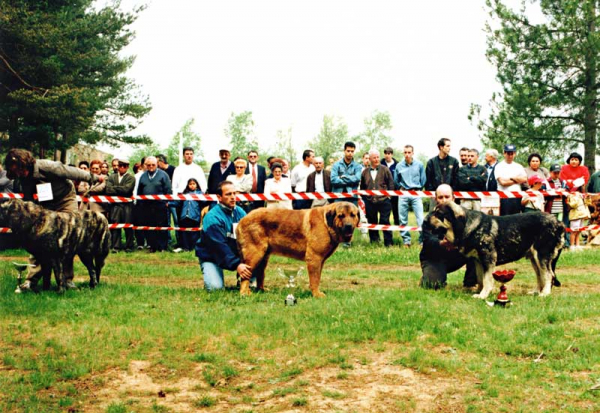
{"x": 503, "y": 276}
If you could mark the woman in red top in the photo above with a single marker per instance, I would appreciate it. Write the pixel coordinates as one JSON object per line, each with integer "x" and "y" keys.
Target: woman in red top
{"x": 574, "y": 170}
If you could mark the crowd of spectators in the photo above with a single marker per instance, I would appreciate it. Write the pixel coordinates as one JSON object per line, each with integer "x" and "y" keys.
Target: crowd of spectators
{"x": 153, "y": 175}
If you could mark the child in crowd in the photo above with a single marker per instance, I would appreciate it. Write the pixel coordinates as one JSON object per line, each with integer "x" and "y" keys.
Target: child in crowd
{"x": 554, "y": 205}
{"x": 534, "y": 202}
{"x": 190, "y": 216}
{"x": 577, "y": 214}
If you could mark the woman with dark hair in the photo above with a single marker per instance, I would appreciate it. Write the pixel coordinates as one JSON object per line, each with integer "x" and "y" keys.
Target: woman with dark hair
{"x": 575, "y": 175}
{"x": 534, "y": 162}
{"x": 278, "y": 185}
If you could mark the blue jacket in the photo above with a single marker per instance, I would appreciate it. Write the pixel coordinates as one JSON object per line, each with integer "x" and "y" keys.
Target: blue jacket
{"x": 345, "y": 177}
{"x": 409, "y": 176}
{"x": 190, "y": 209}
{"x": 216, "y": 243}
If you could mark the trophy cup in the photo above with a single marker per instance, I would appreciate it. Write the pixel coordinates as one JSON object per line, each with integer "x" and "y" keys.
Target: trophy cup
{"x": 20, "y": 268}
{"x": 290, "y": 276}
{"x": 503, "y": 276}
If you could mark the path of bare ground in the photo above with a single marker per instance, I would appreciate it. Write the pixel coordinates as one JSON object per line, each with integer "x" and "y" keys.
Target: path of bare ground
{"x": 374, "y": 386}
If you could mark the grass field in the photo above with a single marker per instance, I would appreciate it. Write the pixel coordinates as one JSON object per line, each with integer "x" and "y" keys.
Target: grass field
{"x": 149, "y": 339}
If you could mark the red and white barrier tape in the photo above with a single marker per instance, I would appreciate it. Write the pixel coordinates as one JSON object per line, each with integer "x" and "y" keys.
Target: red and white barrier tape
{"x": 308, "y": 196}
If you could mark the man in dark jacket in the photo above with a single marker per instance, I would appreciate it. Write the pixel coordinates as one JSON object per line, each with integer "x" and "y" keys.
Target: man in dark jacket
{"x": 471, "y": 177}
{"x": 154, "y": 181}
{"x": 391, "y": 162}
{"x": 259, "y": 176}
{"x": 220, "y": 170}
{"x": 377, "y": 177}
{"x": 121, "y": 184}
{"x": 441, "y": 169}
{"x": 319, "y": 181}
{"x": 217, "y": 248}
{"x": 438, "y": 257}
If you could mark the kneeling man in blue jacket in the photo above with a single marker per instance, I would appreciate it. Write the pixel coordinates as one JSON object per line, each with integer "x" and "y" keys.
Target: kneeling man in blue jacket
{"x": 217, "y": 248}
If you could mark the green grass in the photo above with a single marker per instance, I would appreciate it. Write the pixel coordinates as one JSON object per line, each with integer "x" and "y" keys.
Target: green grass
{"x": 58, "y": 351}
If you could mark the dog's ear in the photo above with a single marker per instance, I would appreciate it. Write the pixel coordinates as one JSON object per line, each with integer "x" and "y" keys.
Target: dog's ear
{"x": 357, "y": 217}
{"x": 330, "y": 215}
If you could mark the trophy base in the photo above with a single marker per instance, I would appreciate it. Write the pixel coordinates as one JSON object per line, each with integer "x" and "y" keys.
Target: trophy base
{"x": 503, "y": 303}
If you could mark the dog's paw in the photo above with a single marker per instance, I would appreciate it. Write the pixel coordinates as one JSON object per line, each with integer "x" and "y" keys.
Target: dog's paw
{"x": 318, "y": 294}
{"x": 245, "y": 288}
{"x": 480, "y": 296}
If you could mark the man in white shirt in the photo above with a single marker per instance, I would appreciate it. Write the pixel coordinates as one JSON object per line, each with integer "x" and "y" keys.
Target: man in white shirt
{"x": 299, "y": 175}
{"x": 510, "y": 175}
{"x": 188, "y": 170}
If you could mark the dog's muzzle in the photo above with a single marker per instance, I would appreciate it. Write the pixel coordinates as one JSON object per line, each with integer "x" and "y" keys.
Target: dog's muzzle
{"x": 347, "y": 232}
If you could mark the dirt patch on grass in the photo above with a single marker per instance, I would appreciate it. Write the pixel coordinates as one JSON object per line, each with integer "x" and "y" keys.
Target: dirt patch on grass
{"x": 374, "y": 386}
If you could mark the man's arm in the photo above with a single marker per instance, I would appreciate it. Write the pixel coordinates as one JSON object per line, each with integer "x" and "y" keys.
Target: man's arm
{"x": 429, "y": 176}
{"x": 217, "y": 241}
{"x": 125, "y": 188}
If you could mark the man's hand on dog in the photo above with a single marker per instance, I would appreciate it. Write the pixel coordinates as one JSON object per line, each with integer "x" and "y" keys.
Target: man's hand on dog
{"x": 244, "y": 271}
{"x": 447, "y": 244}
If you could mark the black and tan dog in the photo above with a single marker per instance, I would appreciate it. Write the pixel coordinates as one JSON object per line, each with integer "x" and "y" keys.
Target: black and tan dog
{"x": 54, "y": 238}
{"x": 311, "y": 235}
{"x": 495, "y": 241}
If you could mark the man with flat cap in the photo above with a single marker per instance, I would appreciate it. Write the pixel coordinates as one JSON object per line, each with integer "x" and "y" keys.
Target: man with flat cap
{"x": 510, "y": 175}
{"x": 121, "y": 184}
{"x": 220, "y": 170}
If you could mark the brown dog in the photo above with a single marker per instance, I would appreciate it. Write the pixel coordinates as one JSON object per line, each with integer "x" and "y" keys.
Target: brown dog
{"x": 311, "y": 235}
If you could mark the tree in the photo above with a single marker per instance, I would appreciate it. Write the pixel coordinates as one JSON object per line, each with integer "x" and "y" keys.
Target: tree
{"x": 240, "y": 131}
{"x": 331, "y": 138}
{"x": 62, "y": 76}
{"x": 284, "y": 147}
{"x": 549, "y": 78}
{"x": 189, "y": 138}
{"x": 376, "y": 133}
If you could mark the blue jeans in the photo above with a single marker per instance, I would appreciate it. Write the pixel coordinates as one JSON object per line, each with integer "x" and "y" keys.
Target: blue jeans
{"x": 213, "y": 276}
{"x": 404, "y": 204}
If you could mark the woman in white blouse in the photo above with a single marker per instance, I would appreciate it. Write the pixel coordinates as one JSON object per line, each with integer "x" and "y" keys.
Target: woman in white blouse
{"x": 242, "y": 183}
{"x": 278, "y": 185}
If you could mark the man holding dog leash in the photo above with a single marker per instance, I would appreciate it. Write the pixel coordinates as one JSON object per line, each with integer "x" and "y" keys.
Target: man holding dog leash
{"x": 52, "y": 183}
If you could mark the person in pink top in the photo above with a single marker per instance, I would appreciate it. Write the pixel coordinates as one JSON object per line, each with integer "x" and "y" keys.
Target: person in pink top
{"x": 574, "y": 170}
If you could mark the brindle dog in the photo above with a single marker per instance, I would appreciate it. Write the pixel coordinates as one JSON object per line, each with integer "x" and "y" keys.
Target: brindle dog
{"x": 54, "y": 238}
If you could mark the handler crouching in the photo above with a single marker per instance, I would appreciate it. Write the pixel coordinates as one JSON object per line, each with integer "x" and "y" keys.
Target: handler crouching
{"x": 30, "y": 177}
{"x": 439, "y": 257}
{"x": 217, "y": 248}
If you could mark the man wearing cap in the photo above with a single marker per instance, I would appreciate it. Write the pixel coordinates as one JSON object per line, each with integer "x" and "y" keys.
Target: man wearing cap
{"x": 510, "y": 175}
{"x": 220, "y": 170}
{"x": 575, "y": 175}
{"x": 121, "y": 184}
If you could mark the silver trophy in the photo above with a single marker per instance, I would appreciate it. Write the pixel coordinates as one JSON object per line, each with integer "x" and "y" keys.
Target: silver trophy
{"x": 290, "y": 276}
{"x": 20, "y": 267}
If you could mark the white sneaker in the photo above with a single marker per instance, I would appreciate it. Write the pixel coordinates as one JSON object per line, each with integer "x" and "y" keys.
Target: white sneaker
{"x": 177, "y": 250}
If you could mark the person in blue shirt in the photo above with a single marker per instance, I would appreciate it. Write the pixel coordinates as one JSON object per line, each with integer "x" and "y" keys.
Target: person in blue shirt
{"x": 345, "y": 174}
{"x": 409, "y": 175}
{"x": 216, "y": 248}
{"x": 190, "y": 216}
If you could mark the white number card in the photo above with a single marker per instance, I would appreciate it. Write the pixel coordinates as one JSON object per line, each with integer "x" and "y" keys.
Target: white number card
{"x": 44, "y": 192}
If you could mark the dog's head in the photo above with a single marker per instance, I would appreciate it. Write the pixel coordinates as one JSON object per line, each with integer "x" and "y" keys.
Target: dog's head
{"x": 16, "y": 214}
{"x": 342, "y": 218}
{"x": 448, "y": 221}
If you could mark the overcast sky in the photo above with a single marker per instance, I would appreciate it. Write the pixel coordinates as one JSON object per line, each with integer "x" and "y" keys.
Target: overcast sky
{"x": 292, "y": 62}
